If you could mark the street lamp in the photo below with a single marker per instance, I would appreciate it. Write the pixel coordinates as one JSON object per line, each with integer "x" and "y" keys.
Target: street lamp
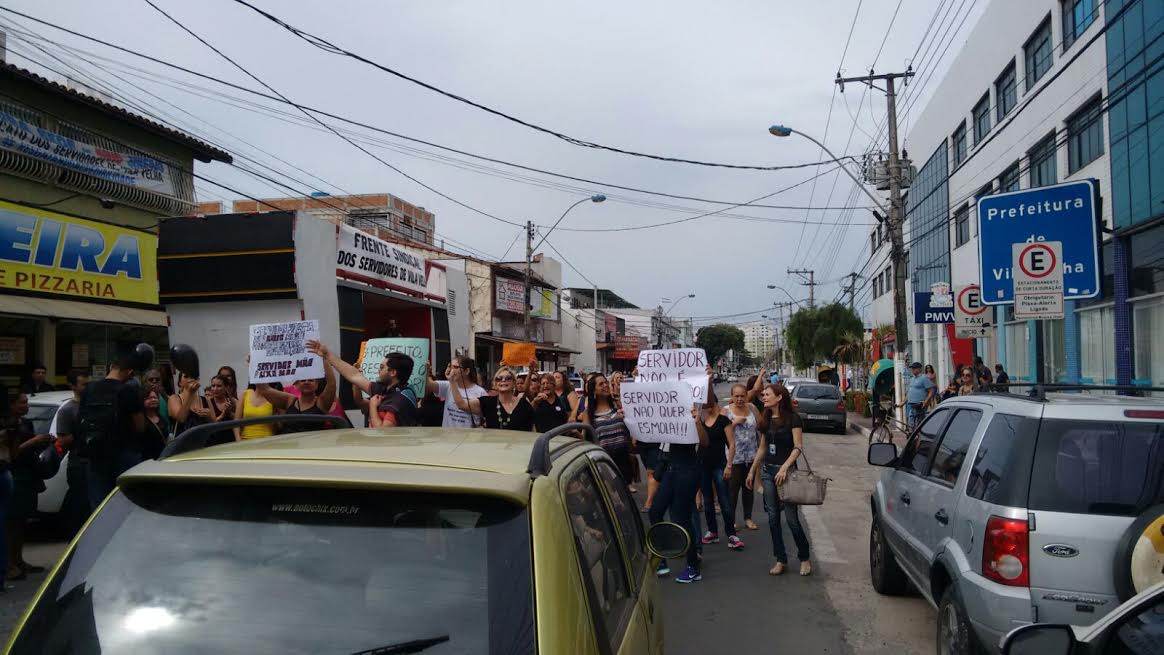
{"x": 794, "y": 300}
{"x": 664, "y": 315}
{"x": 681, "y": 299}
{"x": 529, "y": 251}
{"x": 782, "y": 131}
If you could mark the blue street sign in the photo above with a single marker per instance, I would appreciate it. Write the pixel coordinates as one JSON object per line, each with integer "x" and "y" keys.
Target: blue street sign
{"x": 933, "y": 307}
{"x": 1062, "y": 212}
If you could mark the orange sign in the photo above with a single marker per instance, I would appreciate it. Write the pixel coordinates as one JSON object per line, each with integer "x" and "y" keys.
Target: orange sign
{"x": 518, "y": 353}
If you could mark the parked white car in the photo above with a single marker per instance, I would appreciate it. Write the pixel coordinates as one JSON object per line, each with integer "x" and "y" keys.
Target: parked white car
{"x": 42, "y": 411}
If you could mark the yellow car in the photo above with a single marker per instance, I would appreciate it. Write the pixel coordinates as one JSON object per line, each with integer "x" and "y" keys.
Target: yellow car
{"x": 407, "y": 540}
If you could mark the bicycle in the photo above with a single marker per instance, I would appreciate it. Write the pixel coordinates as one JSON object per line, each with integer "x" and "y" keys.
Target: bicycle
{"x": 884, "y": 422}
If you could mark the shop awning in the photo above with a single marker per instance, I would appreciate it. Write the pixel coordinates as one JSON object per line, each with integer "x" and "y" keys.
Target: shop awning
{"x": 542, "y": 347}
{"x": 81, "y": 311}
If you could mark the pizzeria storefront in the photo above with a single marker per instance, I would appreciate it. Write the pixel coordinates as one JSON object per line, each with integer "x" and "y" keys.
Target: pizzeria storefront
{"x": 74, "y": 291}
{"x": 220, "y": 274}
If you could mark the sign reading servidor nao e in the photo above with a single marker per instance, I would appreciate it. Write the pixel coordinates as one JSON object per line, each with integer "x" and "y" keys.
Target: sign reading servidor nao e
{"x": 363, "y": 257}
{"x": 48, "y": 253}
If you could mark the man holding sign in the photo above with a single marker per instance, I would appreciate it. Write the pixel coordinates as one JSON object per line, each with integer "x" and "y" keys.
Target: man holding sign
{"x": 392, "y": 403}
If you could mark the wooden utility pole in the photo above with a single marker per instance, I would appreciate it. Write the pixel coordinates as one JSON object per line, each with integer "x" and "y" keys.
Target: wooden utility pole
{"x": 529, "y": 235}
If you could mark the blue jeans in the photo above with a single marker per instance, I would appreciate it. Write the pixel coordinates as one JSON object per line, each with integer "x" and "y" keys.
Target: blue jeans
{"x": 5, "y": 501}
{"x": 711, "y": 478}
{"x": 676, "y": 493}
{"x": 101, "y": 478}
{"x": 775, "y": 508}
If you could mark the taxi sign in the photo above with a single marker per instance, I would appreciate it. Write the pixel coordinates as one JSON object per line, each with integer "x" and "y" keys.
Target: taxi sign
{"x": 971, "y": 317}
{"x": 1038, "y": 280}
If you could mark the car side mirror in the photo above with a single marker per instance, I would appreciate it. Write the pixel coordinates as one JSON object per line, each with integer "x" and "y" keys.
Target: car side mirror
{"x": 1039, "y": 639}
{"x": 668, "y": 540}
{"x": 882, "y": 454}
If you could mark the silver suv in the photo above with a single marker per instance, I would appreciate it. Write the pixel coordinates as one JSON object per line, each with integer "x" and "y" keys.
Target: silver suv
{"x": 1004, "y": 510}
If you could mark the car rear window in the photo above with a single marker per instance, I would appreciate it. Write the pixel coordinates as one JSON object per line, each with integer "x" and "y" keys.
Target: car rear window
{"x": 1098, "y": 467}
{"x": 817, "y": 392}
{"x": 41, "y": 416}
{"x": 1002, "y": 465}
{"x": 186, "y": 569}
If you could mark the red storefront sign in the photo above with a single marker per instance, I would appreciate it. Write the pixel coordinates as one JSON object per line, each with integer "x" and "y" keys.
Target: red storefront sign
{"x": 627, "y": 346}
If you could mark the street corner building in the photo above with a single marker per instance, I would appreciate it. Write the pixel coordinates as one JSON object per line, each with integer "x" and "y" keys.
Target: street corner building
{"x": 83, "y": 183}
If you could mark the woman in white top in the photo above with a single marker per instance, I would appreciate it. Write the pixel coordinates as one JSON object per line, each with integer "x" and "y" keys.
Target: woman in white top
{"x": 744, "y": 417}
{"x": 465, "y": 370}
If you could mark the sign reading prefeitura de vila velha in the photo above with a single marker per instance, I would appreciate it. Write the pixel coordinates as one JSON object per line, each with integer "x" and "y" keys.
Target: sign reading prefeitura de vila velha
{"x": 42, "y": 252}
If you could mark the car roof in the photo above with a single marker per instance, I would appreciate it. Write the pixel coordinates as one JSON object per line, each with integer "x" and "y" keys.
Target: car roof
{"x": 1059, "y": 405}
{"x": 49, "y": 397}
{"x": 461, "y": 460}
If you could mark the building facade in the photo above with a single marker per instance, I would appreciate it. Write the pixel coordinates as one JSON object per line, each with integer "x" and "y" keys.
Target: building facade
{"x": 759, "y": 338}
{"x": 83, "y": 183}
{"x": 382, "y": 214}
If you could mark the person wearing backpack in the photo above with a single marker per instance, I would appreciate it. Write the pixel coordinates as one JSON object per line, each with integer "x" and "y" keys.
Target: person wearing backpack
{"x": 395, "y": 404}
{"x": 110, "y": 418}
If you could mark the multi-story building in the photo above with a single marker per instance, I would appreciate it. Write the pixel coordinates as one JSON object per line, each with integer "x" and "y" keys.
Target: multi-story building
{"x": 83, "y": 183}
{"x": 759, "y": 338}
{"x": 1024, "y": 105}
{"x": 382, "y": 214}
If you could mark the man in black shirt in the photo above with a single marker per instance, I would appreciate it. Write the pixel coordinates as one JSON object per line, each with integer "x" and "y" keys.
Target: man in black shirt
{"x": 397, "y": 406}
{"x": 38, "y": 380}
{"x": 110, "y": 418}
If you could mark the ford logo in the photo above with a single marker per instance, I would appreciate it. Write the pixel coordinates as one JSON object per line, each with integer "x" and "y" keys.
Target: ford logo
{"x": 1060, "y": 550}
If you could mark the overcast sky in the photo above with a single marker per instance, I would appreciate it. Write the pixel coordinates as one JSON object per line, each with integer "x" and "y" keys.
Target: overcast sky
{"x": 677, "y": 78}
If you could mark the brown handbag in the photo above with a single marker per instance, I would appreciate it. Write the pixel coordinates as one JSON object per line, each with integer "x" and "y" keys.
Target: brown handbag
{"x": 803, "y": 487}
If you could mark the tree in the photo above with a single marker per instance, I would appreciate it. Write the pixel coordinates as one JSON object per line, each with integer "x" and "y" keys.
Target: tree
{"x": 851, "y": 349}
{"x": 745, "y": 358}
{"x": 815, "y": 333}
{"x": 717, "y": 339}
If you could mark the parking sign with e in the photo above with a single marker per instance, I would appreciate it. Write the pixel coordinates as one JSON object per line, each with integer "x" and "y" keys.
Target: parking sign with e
{"x": 1038, "y": 280}
{"x": 971, "y": 317}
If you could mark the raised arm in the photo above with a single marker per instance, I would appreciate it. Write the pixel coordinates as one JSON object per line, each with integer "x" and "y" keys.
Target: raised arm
{"x": 325, "y": 400}
{"x": 350, "y": 373}
{"x": 180, "y": 403}
{"x": 471, "y": 405}
{"x": 758, "y": 386}
{"x": 280, "y": 399}
{"x": 730, "y": 431}
{"x": 700, "y": 429}
{"x": 239, "y": 408}
{"x": 361, "y": 402}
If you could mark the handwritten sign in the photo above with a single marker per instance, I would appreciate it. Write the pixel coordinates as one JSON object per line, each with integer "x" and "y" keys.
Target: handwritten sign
{"x": 659, "y": 412}
{"x": 373, "y": 352}
{"x": 278, "y": 353}
{"x": 678, "y": 364}
{"x": 518, "y": 354}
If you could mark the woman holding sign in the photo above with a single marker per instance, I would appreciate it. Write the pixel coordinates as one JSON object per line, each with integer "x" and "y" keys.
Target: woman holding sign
{"x": 781, "y": 443}
{"x": 505, "y": 411}
{"x": 714, "y": 471}
{"x": 315, "y": 398}
{"x": 607, "y": 420}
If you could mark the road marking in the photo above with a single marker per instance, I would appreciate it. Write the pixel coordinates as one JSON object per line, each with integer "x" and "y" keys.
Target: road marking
{"x": 823, "y": 548}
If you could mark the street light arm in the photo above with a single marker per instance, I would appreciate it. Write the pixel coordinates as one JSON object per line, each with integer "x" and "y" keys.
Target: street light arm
{"x": 794, "y": 300}
{"x": 547, "y": 234}
{"x": 875, "y": 199}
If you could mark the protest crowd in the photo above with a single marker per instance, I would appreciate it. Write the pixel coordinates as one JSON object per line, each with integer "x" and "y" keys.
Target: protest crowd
{"x": 923, "y": 393}
{"x": 697, "y": 457}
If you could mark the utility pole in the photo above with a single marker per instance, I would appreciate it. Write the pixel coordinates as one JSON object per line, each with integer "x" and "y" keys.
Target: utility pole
{"x": 851, "y": 289}
{"x": 896, "y": 218}
{"x": 529, "y": 235}
{"x": 807, "y": 280}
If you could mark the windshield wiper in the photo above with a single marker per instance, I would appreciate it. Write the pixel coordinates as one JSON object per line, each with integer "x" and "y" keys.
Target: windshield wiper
{"x": 414, "y": 646}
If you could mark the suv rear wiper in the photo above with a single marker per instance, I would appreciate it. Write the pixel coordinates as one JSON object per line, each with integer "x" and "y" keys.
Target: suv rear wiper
{"x": 414, "y": 646}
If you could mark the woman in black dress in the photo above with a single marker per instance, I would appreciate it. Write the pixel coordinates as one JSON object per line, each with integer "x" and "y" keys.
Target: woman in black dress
{"x": 315, "y": 398}
{"x": 550, "y": 409}
{"x": 506, "y": 411}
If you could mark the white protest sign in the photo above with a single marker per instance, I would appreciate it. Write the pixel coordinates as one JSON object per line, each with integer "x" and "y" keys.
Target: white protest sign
{"x": 373, "y": 352}
{"x": 278, "y": 353}
{"x": 659, "y": 412}
{"x": 677, "y": 364}
{"x": 1038, "y": 280}
{"x": 363, "y": 257}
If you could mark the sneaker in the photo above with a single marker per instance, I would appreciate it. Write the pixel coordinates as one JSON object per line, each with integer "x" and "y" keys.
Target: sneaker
{"x": 710, "y": 537}
{"x": 734, "y": 543}
{"x": 689, "y": 575}
{"x": 663, "y": 569}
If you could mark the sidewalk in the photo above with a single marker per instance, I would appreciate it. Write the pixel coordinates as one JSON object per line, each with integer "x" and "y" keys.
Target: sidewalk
{"x": 865, "y": 425}
{"x": 20, "y": 593}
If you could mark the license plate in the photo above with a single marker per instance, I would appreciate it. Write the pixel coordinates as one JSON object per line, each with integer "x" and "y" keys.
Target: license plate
{"x": 818, "y": 417}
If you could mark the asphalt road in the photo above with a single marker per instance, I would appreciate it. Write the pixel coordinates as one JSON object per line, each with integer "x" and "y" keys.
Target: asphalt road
{"x": 738, "y": 607}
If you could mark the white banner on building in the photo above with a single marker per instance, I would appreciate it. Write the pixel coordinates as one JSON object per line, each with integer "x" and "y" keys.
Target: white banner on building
{"x": 279, "y": 353}
{"x": 510, "y": 295}
{"x": 132, "y": 170}
{"x": 688, "y": 365}
{"x": 366, "y": 258}
{"x": 659, "y": 412}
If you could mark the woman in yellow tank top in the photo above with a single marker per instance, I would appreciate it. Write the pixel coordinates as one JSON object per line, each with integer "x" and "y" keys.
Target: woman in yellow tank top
{"x": 253, "y": 405}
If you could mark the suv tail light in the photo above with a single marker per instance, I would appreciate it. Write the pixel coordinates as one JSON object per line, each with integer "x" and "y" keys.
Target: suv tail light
{"x": 840, "y": 406}
{"x": 1005, "y": 552}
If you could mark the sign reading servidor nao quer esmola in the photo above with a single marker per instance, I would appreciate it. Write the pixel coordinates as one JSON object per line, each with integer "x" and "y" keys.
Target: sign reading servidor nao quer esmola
{"x": 361, "y": 256}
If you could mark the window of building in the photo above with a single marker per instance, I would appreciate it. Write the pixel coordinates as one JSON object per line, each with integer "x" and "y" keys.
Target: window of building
{"x": 1097, "y": 345}
{"x": 877, "y": 287}
{"x": 958, "y": 144}
{"x": 1085, "y": 135}
{"x": 1009, "y": 180}
{"x": 1006, "y": 91}
{"x": 1148, "y": 325}
{"x": 1042, "y": 162}
{"x": 888, "y": 283}
{"x": 982, "y": 118}
{"x": 1037, "y": 54}
{"x": 1017, "y": 351}
{"x": 1078, "y": 15}
{"x": 961, "y": 225}
{"x": 1054, "y": 351}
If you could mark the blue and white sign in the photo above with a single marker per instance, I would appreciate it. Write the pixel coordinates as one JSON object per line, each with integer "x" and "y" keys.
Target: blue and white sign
{"x": 1062, "y": 212}
{"x": 934, "y": 306}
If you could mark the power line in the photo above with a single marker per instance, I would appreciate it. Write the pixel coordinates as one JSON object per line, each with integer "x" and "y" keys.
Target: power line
{"x": 328, "y": 46}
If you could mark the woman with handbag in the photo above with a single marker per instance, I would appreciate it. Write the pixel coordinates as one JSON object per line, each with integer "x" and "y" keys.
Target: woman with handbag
{"x": 781, "y": 444}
